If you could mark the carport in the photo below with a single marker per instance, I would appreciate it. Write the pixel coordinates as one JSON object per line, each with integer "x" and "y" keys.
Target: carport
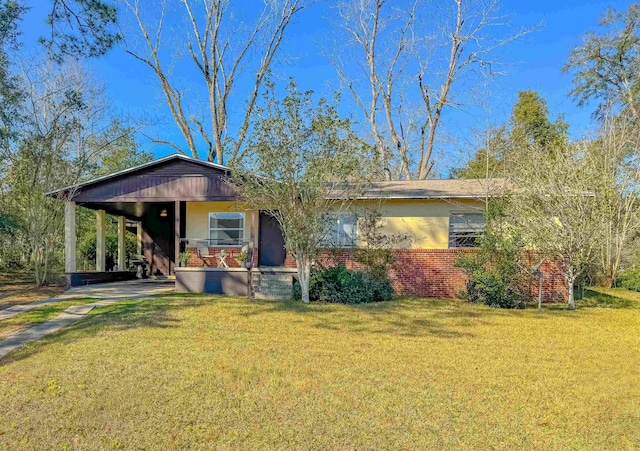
{"x": 153, "y": 196}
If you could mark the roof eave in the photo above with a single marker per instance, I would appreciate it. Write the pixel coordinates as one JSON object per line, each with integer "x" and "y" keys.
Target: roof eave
{"x": 137, "y": 168}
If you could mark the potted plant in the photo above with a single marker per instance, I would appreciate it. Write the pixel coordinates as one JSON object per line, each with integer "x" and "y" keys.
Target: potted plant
{"x": 184, "y": 258}
{"x": 242, "y": 258}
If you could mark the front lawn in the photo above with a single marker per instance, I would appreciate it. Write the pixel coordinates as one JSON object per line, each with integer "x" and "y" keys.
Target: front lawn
{"x": 610, "y": 297}
{"x": 37, "y": 315}
{"x": 19, "y": 288}
{"x": 188, "y": 371}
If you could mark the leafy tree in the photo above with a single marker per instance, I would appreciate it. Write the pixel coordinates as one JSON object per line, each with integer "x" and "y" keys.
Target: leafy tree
{"x": 616, "y": 184}
{"x": 116, "y": 149}
{"x": 10, "y": 88}
{"x": 554, "y": 208}
{"x": 529, "y": 126}
{"x": 81, "y": 28}
{"x": 47, "y": 151}
{"x": 306, "y": 165}
{"x": 496, "y": 275}
{"x": 607, "y": 66}
{"x": 375, "y": 244}
{"x": 530, "y": 123}
{"x": 112, "y": 150}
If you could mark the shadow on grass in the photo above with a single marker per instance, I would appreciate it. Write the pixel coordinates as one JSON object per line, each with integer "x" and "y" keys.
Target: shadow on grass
{"x": 593, "y": 298}
{"x": 154, "y": 311}
{"x": 402, "y": 317}
{"x": 448, "y": 319}
{"x": 412, "y": 317}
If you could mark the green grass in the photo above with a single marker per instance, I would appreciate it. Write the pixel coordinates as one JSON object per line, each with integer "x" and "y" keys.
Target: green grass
{"x": 610, "y": 297}
{"x": 202, "y": 372}
{"x": 37, "y": 315}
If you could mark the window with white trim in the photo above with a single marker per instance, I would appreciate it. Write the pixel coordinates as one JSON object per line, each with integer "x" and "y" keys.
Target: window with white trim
{"x": 342, "y": 230}
{"x": 226, "y": 229}
{"x": 465, "y": 229}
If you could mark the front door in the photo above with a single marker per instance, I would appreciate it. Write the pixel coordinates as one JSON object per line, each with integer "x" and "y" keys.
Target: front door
{"x": 271, "y": 251}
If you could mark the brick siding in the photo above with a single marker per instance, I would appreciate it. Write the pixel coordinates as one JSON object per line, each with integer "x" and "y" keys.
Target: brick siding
{"x": 212, "y": 261}
{"x": 431, "y": 272}
{"x": 416, "y": 273}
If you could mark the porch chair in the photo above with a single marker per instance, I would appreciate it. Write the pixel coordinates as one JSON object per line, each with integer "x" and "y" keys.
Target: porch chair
{"x": 202, "y": 247}
{"x": 222, "y": 257}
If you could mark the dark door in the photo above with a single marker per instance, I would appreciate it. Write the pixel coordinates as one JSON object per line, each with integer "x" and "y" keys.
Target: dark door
{"x": 271, "y": 250}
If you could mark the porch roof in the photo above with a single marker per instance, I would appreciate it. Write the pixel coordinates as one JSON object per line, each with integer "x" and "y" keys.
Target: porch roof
{"x": 173, "y": 178}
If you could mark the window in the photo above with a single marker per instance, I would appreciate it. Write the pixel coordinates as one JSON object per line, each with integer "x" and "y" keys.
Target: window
{"x": 226, "y": 229}
{"x": 465, "y": 229}
{"x": 341, "y": 231}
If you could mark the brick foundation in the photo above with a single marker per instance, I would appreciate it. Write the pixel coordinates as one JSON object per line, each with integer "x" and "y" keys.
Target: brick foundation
{"x": 431, "y": 273}
{"x": 416, "y": 273}
{"x": 554, "y": 284}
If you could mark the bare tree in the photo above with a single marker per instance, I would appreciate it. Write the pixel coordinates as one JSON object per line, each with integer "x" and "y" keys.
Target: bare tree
{"x": 617, "y": 187}
{"x": 366, "y": 25}
{"x": 220, "y": 47}
{"x": 60, "y": 110}
{"x": 398, "y": 49}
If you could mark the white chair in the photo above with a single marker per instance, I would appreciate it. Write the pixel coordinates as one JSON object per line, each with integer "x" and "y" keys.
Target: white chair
{"x": 222, "y": 256}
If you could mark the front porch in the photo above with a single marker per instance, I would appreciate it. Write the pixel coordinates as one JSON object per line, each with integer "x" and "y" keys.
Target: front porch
{"x": 176, "y": 205}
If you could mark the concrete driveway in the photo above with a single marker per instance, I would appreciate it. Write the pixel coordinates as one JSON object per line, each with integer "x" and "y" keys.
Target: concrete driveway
{"x": 104, "y": 294}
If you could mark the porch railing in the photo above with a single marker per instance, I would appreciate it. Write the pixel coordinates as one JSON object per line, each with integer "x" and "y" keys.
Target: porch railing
{"x": 222, "y": 250}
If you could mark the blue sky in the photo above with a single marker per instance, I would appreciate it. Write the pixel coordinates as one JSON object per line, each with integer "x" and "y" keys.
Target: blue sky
{"x": 535, "y": 62}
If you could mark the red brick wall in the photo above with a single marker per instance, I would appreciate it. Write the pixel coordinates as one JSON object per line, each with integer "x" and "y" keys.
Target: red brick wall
{"x": 416, "y": 273}
{"x": 431, "y": 273}
{"x": 212, "y": 261}
{"x": 554, "y": 285}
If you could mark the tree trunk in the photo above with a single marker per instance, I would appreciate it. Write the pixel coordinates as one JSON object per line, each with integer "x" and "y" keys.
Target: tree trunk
{"x": 608, "y": 278}
{"x": 571, "y": 279}
{"x": 304, "y": 272}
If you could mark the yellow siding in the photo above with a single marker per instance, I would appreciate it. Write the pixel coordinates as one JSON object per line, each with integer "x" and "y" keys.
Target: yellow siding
{"x": 426, "y": 222}
{"x": 197, "y": 220}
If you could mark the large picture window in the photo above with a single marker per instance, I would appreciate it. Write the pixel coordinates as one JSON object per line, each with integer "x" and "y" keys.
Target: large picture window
{"x": 465, "y": 229}
{"x": 226, "y": 229}
{"x": 341, "y": 231}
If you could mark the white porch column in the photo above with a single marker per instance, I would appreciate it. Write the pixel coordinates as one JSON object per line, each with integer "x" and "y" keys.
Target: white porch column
{"x": 139, "y": 238}
{"x": 101, "y": 254}
{"x": 122, "y": 228}
{"x": 70, "y": 236}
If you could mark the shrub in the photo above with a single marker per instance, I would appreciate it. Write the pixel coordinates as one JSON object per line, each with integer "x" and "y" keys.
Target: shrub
{"x": 337, "y": 284}
{"x": 495, "y": 274}
{"x": 629, "y": 279}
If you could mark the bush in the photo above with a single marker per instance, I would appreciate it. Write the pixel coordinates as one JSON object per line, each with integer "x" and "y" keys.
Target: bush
{"x": 490, "y": 287}
{"x": 629, "y": 279}
{"x": 495, "y": 275}
{"x": 337, "y": 284}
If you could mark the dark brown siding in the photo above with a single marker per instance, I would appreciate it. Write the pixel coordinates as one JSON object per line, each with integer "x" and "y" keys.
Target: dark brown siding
{"x": 170, "y": 181}
{"x": 157, "y": 239}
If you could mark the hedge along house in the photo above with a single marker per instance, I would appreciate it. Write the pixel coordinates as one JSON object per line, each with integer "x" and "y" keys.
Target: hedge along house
{"x": 181, "y": 204}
